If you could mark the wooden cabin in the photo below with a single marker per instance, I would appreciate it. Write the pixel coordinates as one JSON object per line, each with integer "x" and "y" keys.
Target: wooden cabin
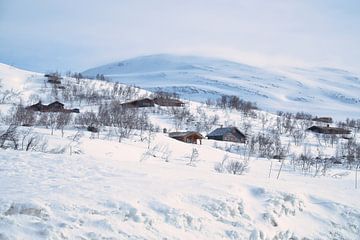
{"x": 145, "y": 102}
{"x": 38, "y": 107}
{"x": 52, "y": 107}
{"x": 53, "y": 78}
{"x": 168, "y": 102}
{"x": 188, "y": 137}
{"x": 75, "y": 110}
{"x": 328, "y": 130}
{"x": 92, "y": 129}
{"x": 229, "y": 134}
{"x": 55, "y": 107}
{"x": 323, "y": 119}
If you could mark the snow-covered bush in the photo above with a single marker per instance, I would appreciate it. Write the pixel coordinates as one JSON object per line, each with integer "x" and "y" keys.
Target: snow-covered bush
{"x": 158, "y": 151}
{"x": 22, "y": 139}
{"x": 193, "y": 157}
{"x": 8, "y": 96}
{"x": 235, "y": 167}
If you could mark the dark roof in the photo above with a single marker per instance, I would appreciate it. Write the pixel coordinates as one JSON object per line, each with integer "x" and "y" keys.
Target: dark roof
{"x": 329, "y": 130}
{"x": 143, "y": 102}
{"x": 184, "y": 134}
{"x": 53, "y": 76}
{"x": 140, "y": 100}
{"x": 222, "y": 131}
{"x": 143, "y": 99}
{"x": 168, "y": 101}
{"x": 37, "y": 104}
{"x": 36, "y": 107}
{"x": 52, "y": 107}
{"x": 323, "y": 119}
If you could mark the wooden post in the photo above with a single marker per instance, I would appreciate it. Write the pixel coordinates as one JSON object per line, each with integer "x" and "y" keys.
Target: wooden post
{"x": 356, "y": 175}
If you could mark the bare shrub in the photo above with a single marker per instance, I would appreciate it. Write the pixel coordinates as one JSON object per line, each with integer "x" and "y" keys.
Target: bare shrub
{"x": 9, "y": 138}
{"x": 193, "y": 157}
{"x": 219, "y": 167}
{"x": 234, "y": 102}
{"x": 29, "y": 139}
{"x": 235, "y": 167}
{"x": 182, "y": 116}
{"x": 22, "y": 139}
{"x": 87, "y": 119}
{"x": 62, "y": 120}
{"x": 23, "y": 117}
{"x": 8, "y": 96}
{"x": 158, "y": 151}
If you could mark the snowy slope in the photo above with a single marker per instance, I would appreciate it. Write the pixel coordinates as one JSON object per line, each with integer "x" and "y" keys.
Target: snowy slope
{"x": 21, "y": 81}
{"x": 321, "y": 91}
{"x": 111, "y": 192}
{"x": 15, "y": 78}
{"x": 32, "y": 86}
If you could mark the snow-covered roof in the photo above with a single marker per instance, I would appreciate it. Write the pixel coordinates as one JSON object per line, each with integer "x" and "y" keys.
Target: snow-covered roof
{"x": 222, "y": 131}
{"x": 328, "y": 130}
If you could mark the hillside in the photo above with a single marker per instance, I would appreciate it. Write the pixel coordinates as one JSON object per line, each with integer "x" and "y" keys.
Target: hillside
{"x": 108, "y": 192}
{"x": 130, "y": 180}
{"x": 18, "y": 79}
{"x": 319, "y": 91}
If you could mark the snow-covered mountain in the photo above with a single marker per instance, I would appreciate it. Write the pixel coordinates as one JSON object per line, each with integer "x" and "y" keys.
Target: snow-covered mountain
{"x": 79, "y": 185}
{"x": 320, "y": 91}
{"x": 15, "y": 78}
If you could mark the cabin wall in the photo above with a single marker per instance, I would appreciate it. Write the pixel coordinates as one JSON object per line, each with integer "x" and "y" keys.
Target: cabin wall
{"x": 230, "y": 137}
{"x": 189, "y": 139}
{"x": 218, "y": 138}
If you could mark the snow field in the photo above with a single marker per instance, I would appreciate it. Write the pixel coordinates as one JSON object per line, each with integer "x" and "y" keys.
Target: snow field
{"x": 98, "y": 188}
{"x": 109, "y": 193}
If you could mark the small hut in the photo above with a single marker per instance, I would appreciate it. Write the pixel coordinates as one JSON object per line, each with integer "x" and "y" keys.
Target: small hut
{"x": 230, "y": 134}
{"x": 52, "y": 107}
{"x": 323, "y": 119}
{"x": 53, "y": 78}
{"x": 188, "y": 137}
{"x": 55, "y": 107}
{"x": 145, "y": 102}
{"x": 328, "y": 130}
{"x": 168, "y": 102}
{"x": 38, "y": 107}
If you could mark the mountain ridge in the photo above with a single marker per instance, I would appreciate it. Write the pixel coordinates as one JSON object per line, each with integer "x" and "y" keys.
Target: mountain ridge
{"x": 320, "y": 91}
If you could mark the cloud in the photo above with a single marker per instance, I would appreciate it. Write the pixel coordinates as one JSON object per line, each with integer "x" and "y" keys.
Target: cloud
{"x": 43, "y": 35}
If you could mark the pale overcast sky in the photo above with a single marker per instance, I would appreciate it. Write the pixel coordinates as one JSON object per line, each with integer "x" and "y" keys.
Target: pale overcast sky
{"x": 46, "y": 35}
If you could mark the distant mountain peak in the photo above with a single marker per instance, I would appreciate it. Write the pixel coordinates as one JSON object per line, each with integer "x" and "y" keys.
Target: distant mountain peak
{"x": 320, "y": 91}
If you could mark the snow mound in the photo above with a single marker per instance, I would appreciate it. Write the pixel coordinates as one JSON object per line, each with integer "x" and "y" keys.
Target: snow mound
{"x": 27, "y": 209}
